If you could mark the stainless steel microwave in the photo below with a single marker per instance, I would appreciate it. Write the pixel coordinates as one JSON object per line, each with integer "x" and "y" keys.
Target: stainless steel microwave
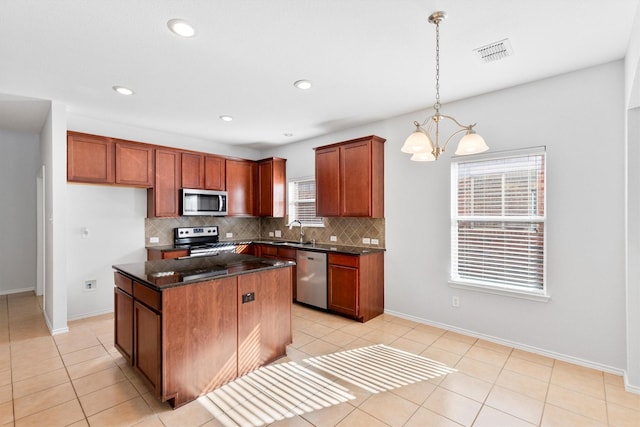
{"x": 203, "y": 202}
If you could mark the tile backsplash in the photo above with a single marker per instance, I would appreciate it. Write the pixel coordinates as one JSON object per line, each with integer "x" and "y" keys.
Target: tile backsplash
{"x": 348, "y": 231}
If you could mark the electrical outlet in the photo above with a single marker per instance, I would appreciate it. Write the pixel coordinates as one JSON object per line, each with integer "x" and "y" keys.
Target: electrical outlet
{"x": 333, "y": 238}
{"x": 375, "y": 242}
{"x": 154, "y": 239}
{"x": 366, "y": 241}
{"x": 278, "y": 233}
{"x": 90, "y": 285}
{"x": 229, "y": 235}
{"x": 455, "y": 301}
{"x": 271, "y": 234}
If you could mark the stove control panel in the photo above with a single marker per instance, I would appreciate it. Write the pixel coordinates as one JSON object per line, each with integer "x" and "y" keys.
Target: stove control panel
{"x": 182, "y": 232}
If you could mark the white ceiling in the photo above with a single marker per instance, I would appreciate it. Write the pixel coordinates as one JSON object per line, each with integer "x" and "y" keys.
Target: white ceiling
{"x": 367, "y": 59}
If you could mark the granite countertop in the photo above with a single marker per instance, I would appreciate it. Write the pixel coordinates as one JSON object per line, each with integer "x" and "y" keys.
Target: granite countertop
{"x": 167, "y": 273}
{"x": 318, "y": 247}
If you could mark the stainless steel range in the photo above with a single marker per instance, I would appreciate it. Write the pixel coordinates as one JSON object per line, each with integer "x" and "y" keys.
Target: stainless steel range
{"x": 201, "y": 241}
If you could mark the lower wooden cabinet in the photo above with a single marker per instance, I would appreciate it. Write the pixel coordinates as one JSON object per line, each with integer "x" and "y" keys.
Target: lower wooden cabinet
{"x": 153, "y": 254}
{"x": 356, "y": 285}
{"x": 188, "y": 340}
{"x": 147, "y": 344}
{"x": 123, "y": 333}
{"x": 275, "y": 252}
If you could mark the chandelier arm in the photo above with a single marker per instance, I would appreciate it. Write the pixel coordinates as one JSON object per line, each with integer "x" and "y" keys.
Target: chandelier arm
{"x": 452, "y": 135}
{"x": 467, "y": 127}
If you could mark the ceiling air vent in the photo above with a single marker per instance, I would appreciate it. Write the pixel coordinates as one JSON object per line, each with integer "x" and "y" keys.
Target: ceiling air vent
{"x": 494, "y": 51}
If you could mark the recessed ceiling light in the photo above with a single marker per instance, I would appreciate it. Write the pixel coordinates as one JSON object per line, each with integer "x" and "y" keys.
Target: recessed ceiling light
{"x": 302, "y": 84}
{"x": 181, "y": 28}
{"x": 226, "y": 118}
{"x": 123, "y": 90}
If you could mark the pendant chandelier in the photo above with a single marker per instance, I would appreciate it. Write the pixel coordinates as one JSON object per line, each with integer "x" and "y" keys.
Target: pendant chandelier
{"x": 424, "y": 142}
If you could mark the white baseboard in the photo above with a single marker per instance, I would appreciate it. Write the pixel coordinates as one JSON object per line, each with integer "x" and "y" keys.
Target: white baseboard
{"x": 85, "y": 315}
{"x": 18, "y": 291}
{"x": 563, "y": 357}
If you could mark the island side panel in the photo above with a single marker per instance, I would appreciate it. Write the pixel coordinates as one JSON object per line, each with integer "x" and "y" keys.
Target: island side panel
{"x": 264, "y": 324}
{"x": 200, "y": 339}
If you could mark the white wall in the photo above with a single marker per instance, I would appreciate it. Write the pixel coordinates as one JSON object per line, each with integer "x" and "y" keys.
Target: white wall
{"x": 19, "y": 165}
{"x": 53, "y": 152}
{"x": 114, "y": 218}
{"x": 580, "y": 118}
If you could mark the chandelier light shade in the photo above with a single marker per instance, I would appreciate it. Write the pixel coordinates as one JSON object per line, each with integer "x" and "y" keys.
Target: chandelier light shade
{"x": 424, "y": 143}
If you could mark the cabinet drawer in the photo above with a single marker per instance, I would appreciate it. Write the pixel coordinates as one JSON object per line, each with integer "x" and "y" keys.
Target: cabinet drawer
{"x": 124, "y": 283}
{"x": 346, "y": 260}
{"x": 268, "y": 250}
{"x": 287, "y": 253}
{"x": 147, "y": 296}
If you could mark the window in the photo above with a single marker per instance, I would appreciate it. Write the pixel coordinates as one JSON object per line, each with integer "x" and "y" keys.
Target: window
{"x": 302, "y": 202}
{"x": 498, "y": 222}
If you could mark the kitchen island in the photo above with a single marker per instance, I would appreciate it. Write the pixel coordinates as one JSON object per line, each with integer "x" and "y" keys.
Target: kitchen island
{"x": 191, "y": 325}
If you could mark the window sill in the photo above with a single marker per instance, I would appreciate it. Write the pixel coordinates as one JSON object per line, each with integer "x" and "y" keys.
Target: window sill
{"x": 504, "y": 291}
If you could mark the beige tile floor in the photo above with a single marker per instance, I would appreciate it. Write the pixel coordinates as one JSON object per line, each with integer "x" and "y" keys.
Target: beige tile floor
{"x": 79, "y": 379}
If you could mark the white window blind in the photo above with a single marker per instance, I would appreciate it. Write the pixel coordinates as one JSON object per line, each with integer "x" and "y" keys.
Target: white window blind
{"x": 498, "y": 221}
{"x": 302, "y": 202}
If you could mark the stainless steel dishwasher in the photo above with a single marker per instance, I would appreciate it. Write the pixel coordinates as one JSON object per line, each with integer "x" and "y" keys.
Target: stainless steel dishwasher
{"x": 312, "y": 278}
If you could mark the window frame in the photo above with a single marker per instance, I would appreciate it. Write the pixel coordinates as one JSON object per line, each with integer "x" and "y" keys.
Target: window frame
{"x": 292, "y": 202}
{"x": 519, "y": 291}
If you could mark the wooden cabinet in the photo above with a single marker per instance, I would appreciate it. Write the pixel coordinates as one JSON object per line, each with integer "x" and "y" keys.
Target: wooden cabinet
{"x": 214, "y": 173}
{"x": 123, "y": 331}
{"x": 264, "y": 315}
{"x": 90, "y": 158}
{"x": 272, "y": 187}
{"x": 203, "y": 171}
{"x": 192, "y": 170}
{"x": 350, "y": 178}
{"x": 328, "y": 181}
{"x": 200, "y": 338}
{"x": 188, "y": 340}
{"x": 153, "y": 254}
{"x": 279, "y": 252}
{"x": 356, "y": 285}
{"x": 133, "y": 164}
{"x": 147, "y": 346}
{"x": 240, "y": 179}
{"x": 163, "y": 197}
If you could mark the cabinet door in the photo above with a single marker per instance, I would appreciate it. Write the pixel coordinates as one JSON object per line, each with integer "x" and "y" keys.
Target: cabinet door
{"x": 355, "y": 179}
{"x": 164, "y": 196}
{"x": 240, "y": 185}
{"x": 214, "y": 173}
{"x": 147, "y": 344}
{"x": 328, "y": 181}
{"x": 123, "y": 317}
{"x": 134, "y": 164}
{"x": 264, "y": 323}
{"x": 89, "y": 158}
{"x": 272, "y": 188}
{"x": 343, "y": 289}
{"x": 200, "y": 338}
{"x": 192, "y": 170}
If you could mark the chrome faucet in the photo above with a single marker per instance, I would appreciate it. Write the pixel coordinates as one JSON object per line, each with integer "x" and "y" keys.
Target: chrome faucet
{"x": 301, "y": 230}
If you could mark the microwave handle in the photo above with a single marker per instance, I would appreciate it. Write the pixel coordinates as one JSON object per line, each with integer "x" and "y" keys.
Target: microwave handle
{"x": 222, "y": 202}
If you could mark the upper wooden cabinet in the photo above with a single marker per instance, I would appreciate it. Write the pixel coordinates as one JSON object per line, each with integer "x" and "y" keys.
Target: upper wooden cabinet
{"x": 350, "y": 178}
{"x": 240, "y": 178}
{"x": 272, "y": 187}
{"x": 90, "y": 158}
{"x": 163, "y": 198}
{"x": 192, "y": 170}
{"x": 214, "y": 173}
{"x": 203, "y": 171}
{"x": 134, "y": 164}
